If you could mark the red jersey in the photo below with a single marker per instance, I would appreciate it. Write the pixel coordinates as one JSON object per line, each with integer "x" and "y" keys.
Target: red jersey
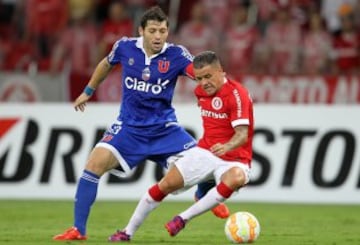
{"x": 283, "y": 41}
{"x": 231, "y": 106}
{"x": 240, "y": 44}
{"x": 113, "y": 31}
{"x": 46, "y": 16}
{"x": 347, "y": 51}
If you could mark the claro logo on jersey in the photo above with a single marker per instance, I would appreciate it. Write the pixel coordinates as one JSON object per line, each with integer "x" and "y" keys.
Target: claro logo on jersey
{"x": 142, "y": 86}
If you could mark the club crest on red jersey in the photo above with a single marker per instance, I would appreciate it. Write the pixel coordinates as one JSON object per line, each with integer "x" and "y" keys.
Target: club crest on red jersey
{"x": 163, "y": 66}
{"x": 216, "y": 103}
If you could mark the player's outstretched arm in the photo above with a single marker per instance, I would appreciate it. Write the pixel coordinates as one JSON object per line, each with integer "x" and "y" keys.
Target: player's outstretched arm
{"x": 100, "y": 73}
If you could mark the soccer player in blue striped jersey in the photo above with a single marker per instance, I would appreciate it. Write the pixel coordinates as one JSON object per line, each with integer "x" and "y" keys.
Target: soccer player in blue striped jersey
{"x": 146, "y": 127}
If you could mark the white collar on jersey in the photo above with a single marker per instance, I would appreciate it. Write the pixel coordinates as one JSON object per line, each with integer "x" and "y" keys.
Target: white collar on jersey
{"x": 140, "y": 45}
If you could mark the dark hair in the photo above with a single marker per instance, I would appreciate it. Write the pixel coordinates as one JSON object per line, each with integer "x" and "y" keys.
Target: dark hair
{"x": 205, "y": 58}
{"x": 153, "y": 13}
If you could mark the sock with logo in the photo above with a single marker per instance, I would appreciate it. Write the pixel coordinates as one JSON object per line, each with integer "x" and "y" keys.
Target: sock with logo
{"x": 84, "y": 198}
{"x": 215, "y": 196}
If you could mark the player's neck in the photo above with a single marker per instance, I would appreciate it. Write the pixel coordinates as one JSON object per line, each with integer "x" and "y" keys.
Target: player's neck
{"x": 149, "y": 52}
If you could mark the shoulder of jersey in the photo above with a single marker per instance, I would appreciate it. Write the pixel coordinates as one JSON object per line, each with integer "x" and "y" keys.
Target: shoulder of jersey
{"x": 180, "y": 49}
{"x": 128, "y": 39}
{"x": 231, "y": 86}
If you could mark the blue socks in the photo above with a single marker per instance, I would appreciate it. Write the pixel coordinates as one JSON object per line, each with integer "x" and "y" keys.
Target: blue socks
{"x": 84, "y": 198}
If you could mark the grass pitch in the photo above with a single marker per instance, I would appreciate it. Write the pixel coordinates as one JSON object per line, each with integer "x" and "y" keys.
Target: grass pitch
{"x": 35, "y": 222}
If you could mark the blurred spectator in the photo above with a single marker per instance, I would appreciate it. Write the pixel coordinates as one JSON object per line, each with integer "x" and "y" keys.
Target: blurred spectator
{"x": 7, "y": 8}
{"x": 347, "y": 43}
{"x": 218, "y": 13}
{"x": 116, "y": 26}
{"x": 329, "y": 11}
{"x": 196, "y": 35}
{"x": 317, "y": 46}
{"x": 101, "y": 9}
{"x": 265, "y": 12}
{"x": 302, "y": 9}
{"x": 78, "y": 48}
{"x": 16, "y": 52}
{"x": 357, "y": 15}
{"x": 136, "y": 8}
{"x": 44, "y": 20}
{"x": 282, "y": 44}
{"x": 5, "y": 44}
{"x": 298, "y": 11}
{"x": 85, "y": 6}
{"x": 240, "y": 41}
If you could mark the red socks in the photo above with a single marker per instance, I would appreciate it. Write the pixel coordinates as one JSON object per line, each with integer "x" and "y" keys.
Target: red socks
{"x": 156, "y": 193}
{"x": 224, "y": 190}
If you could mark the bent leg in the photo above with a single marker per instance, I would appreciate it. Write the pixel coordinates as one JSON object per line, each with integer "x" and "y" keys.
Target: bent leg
{"x": 233, "y": 179}
{"x": 221, "y": 210}
{"x": 172, "y": 181}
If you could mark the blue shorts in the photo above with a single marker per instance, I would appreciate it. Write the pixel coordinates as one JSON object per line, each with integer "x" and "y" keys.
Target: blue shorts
{"x": 132, "y": 146}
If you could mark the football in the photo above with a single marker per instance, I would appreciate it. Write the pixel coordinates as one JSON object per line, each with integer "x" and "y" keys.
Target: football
{"x": 242, "y": 227}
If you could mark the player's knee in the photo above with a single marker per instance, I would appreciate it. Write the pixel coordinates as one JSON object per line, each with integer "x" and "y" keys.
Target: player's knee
{"x": 100, "y": 161}
{"x": 97, "y": 168}
{"x": 235, "y": 178}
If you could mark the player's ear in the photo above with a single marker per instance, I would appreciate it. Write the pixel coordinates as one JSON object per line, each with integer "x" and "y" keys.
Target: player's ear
{"x": 141, "y": 31}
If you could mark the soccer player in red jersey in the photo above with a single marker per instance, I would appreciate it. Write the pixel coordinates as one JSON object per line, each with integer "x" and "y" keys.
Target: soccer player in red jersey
{"x": 224, "y": 152}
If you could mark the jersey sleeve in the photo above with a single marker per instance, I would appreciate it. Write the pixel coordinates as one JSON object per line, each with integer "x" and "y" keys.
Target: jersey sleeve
{"x": 239, "y": 105}
{"x": 115, "y": 54}
{"x": 189, "y": 71}
{"x": 185, "y": 62}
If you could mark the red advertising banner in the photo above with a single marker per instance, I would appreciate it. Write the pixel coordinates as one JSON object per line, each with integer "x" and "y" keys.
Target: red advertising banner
{"x": 304, "y": 89}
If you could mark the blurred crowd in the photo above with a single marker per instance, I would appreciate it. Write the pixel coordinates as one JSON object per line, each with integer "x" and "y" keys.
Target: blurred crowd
{"x": 252, "y": 36}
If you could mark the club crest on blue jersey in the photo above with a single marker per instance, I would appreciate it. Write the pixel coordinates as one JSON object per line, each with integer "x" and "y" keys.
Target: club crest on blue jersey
{"x": 115, "y": 128}
{"x": 146, "y": 74}
{"x": 131, "y": 61}
{"x": 163, "y": 66}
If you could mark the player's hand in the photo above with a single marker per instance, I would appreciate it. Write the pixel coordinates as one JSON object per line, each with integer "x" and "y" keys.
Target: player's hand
{"x": 219, "y": 149}
{"x": 80, "y": 102}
